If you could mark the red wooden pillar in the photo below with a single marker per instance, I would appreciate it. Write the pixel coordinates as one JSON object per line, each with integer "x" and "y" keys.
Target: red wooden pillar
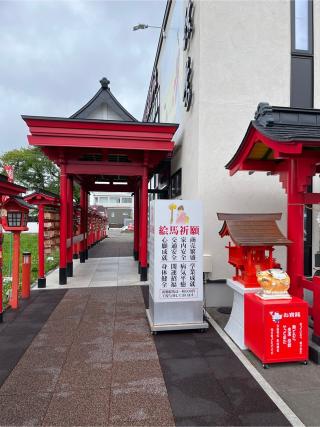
{"x": 26, "y": 275}
{"x": 41, "y": 260}
{"x": 295, "y": 253}
{"x": 63, "y": 226}
{"x": 14, "y": 300}
{"x": 136, "y": 225}
{"x": 86, "y": 225}
{"x": 143, "y": 251}
{"x": 70, "y": 226}
{"x": 82, "y": 225}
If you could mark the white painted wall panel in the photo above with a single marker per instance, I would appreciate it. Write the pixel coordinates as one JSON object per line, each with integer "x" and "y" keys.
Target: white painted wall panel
{"x": 244, "y": 59}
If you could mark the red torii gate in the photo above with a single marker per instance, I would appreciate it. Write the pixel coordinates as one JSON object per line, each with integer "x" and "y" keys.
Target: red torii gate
{"x": 6, "y": 189}
{"x": 121, "y": 150}
{"x": 286, "y": 142}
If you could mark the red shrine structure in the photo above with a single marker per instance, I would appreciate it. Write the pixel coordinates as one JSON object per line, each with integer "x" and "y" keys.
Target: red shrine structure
{"x": 42, "y": 199}
{"x": 286, "y": 142}
{"x": 254, "y": 237}
{"x": 102, "y": 142}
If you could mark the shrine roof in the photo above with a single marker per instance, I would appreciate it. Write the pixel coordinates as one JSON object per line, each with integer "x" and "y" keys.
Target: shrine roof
{"x": 253, "y": 229}
{"x": 286, "y": 124}
{"x": 42, "y": 196}
{"x": 20, "y": 201}
{"x": 9, "y": 188}
{"x": 103, "y": 98}
{"x": 278, "y": 129}
{"x": 46, "y": 193}
{"x": 91, "y": 123}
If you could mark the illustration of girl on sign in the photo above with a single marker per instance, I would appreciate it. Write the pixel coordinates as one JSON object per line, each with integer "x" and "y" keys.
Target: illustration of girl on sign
{"x": 182, "y": 217}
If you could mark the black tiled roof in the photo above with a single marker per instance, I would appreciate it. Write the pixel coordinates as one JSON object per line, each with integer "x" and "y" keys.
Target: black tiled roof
{"x": 22, "y": 202}
{"x": 103, "y": 96}
{"x": 283, "y": 125}
{"x": 286, "y": 124}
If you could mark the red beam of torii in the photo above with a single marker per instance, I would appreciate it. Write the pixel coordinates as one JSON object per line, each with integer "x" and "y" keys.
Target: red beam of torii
{"x": 286, "y": 142}
{"x": 84, "y": 148}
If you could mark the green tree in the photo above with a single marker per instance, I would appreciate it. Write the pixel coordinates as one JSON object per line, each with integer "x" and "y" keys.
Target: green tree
{"x": 34, "y": 170}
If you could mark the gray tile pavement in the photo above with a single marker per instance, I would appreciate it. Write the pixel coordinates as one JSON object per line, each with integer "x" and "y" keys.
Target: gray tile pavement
{"x": 94, "y": 362}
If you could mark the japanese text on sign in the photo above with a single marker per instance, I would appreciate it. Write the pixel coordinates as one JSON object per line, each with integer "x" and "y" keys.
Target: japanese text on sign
{"x": 175, "y": 250}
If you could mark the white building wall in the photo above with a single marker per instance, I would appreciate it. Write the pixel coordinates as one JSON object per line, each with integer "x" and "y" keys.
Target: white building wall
{"x": 241, "y": 55}
{"x": 244, "y": 60}
{"x": 187, "y": 138}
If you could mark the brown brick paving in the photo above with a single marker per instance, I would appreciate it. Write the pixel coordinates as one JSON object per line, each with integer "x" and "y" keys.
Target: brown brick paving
{"x": 93, "y": 363}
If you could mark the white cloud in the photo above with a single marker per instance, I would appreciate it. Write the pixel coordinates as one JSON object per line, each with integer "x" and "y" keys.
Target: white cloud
{"x": 53, "y": 54}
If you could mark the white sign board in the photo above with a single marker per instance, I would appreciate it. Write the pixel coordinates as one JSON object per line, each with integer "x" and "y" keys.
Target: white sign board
{"x": 175, "y": 250}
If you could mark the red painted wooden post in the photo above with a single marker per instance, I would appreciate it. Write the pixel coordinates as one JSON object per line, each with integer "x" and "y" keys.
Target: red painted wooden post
{"x": 136, "y": 225}
{"x": 295, "y": 254}
{"x": 26, "y": 278}
{"x": 144, "y": 226}
{"x": 41, "y": 260}
{"x": 70, "y": 226}
{"x": 63, "y": 226}
{"x": 140, "y": 227}
{"x": 82, "y": 225}
{"x": 86, "y": 225}
{"x": 14, "y": 300}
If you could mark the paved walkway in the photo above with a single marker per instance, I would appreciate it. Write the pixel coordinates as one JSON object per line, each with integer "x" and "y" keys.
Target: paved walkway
{"x": 110, "y": 263}
{"x": 298, "y": 385}
{"x": 99, "y": 272}
{"x": 115, "y": 245}
{"x": 83, "y": 355}
{"x": 94, "y": 362}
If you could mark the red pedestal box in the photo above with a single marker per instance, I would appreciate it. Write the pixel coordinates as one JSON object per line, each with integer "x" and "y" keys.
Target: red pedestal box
{"x": 276, "y": 330}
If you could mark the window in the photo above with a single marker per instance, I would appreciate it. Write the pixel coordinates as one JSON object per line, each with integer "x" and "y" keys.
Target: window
{"x": 302, "y": 26}
{"x": 126, "y": 200}
{"x": 114, "y": 199}
{"x": 103, "y": 200}
{"x": 302, "y": 69}
{"x": 14, "y": 219}
{"x": 176, "y": 184}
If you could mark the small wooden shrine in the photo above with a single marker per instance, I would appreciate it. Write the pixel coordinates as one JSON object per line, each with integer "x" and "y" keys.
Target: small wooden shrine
{"x": 49, "y": 232}
{"x": 254, "y": 237}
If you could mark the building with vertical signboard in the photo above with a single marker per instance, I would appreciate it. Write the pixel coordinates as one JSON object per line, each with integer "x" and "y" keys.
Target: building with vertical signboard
{"x": 215, "y": 62}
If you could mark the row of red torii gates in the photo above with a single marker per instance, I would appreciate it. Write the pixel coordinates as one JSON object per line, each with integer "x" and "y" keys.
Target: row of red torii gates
{"x": 101, "y": 155}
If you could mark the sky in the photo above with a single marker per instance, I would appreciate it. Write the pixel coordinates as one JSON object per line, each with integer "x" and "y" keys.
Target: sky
{"x": 54, "y": 52}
